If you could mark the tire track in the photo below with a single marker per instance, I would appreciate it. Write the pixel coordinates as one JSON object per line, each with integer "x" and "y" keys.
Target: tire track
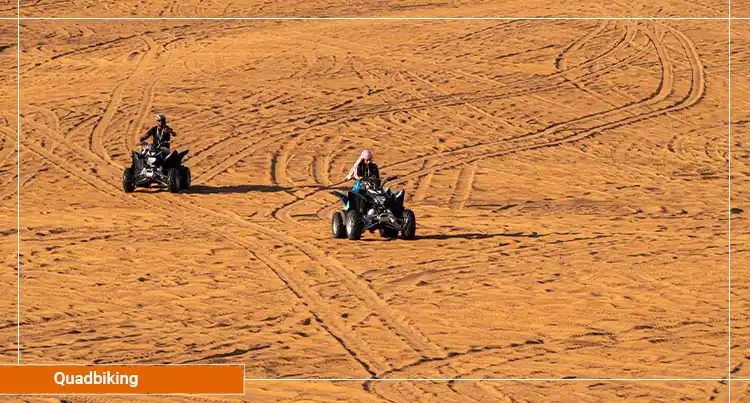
{"x": 6, "y": 154}
{"x": 48, "y": 116}
{"x": 343, "y": 113}
{"x": 663, "y": 91}
{"x": 313, "y": 256}
{"x": 323, "y": 168}
{"x": 578, "y": 44}
{"x": 464, "y": 185}
{"x": 321, "y": 307}
{"x": 318, "y": 306}
{"x": 8, "y": 147}
{"x": 148, "y": 96}
{"x": 513, "y": 89}
{"x": 557, "y": 130}
{"x": 293, "y": 141}
{"x": 85, "y": 49}
{"x": 282, "y": 157}
{"x": 417, "y": 341}
{"x": 423, "y": 182}
{"x": 97, "y": 134}
{"x": 351, "y": 337}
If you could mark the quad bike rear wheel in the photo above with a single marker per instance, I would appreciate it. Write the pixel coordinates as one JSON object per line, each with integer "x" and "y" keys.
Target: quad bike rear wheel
{"x": 353, "y": 225}
{"x": 186, "y": 179}
{"x": 173, "y": 180}
{"x": 338, "y": 228}
{"x": 128, "y": 181}
{"x": 410, "y": 225}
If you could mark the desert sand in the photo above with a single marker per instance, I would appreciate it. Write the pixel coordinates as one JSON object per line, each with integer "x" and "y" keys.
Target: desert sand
{"x": 8, "y": 191}
{"x": 8, "y": 9}
{"x": 740, "y": 196}
{"x": 457, "y": 392}
{"x": 378, "y": 8}
{"x": 740, "y": 391}
{"x": 569, "y": 180}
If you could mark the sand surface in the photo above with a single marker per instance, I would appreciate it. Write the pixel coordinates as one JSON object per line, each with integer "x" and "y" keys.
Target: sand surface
{"x": 569, "y": 180}
{"x": 740, "y": 196}
{"x": 9, "y": 9}
{"x": 380, "y": 8}
{"x": 8, "y": 192}
{"x": 458, "y": 392}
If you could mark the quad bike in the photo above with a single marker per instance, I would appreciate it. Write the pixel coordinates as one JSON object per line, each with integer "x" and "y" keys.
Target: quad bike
{"x": 369, "y": 207}
{"x": 152, "y": 165}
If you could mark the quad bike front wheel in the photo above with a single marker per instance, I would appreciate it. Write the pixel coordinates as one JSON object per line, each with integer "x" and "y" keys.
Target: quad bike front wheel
{"x": 410, "y": 225}
{"x": 173, "y": 180}
{"x": 353, "y": 225}
{"x": 186, "y": 179}
{"x": 128, "y": 181}
{"x": 338, "y": 228}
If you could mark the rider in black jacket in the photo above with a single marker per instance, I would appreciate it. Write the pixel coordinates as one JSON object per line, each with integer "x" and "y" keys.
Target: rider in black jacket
{"x": 161, "y": 134}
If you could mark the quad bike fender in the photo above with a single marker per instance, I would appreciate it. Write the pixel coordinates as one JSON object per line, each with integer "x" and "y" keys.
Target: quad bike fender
{"x": 356, "y": 201}
{"x": 137, "y": 161}
{"x": 398, "y": 198}
{"x": 397, "y": 203}
{"x": 344, "y": 198}
{"x": 351, "y": 200}
{"x": 174, "y": 158}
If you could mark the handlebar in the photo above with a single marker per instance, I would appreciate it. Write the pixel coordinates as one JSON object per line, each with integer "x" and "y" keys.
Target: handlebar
{"x": 162, "y": 144}
{"x": 380, "y": 182}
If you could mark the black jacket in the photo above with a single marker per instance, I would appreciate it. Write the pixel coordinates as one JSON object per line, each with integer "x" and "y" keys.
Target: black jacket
{"x": 159, "y": 135}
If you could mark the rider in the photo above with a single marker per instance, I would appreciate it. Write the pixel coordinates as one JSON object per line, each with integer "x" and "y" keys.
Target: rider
{"x": 161, "y": 134}
{"x": 365, "y": 169}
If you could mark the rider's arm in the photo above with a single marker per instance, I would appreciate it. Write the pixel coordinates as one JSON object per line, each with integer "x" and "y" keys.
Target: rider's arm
{"x": 146, "y": 136}
{"x": 354, "y": 174}
{"x": 358, "y": 172}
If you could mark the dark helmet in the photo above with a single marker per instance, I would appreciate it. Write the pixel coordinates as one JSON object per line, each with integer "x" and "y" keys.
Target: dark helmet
{"x": 160, "y": 118}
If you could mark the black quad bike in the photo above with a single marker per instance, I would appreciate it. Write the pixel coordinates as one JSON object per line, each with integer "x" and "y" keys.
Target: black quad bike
{"x": 154, "y": 166}
{"x": 369, "y": 207}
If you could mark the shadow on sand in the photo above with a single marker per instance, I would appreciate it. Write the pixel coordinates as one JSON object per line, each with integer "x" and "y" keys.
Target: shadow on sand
{"x": 203, "y": 189}
{"x": 477, "y": 236}
{"x": 440, "y": 237}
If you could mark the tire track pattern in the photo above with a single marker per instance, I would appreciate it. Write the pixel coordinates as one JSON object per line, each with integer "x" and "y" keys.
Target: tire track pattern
{"x": 285, "y": 254}
{"x": 564, "y": 132}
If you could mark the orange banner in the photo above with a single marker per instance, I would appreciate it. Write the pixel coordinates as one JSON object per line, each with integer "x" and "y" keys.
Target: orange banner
{"x": 123, "y": 379}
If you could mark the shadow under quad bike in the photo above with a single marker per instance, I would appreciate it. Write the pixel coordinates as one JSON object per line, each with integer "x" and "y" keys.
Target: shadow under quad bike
{"x": 369, "y": 207}
{"x": 154, "y": 166}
